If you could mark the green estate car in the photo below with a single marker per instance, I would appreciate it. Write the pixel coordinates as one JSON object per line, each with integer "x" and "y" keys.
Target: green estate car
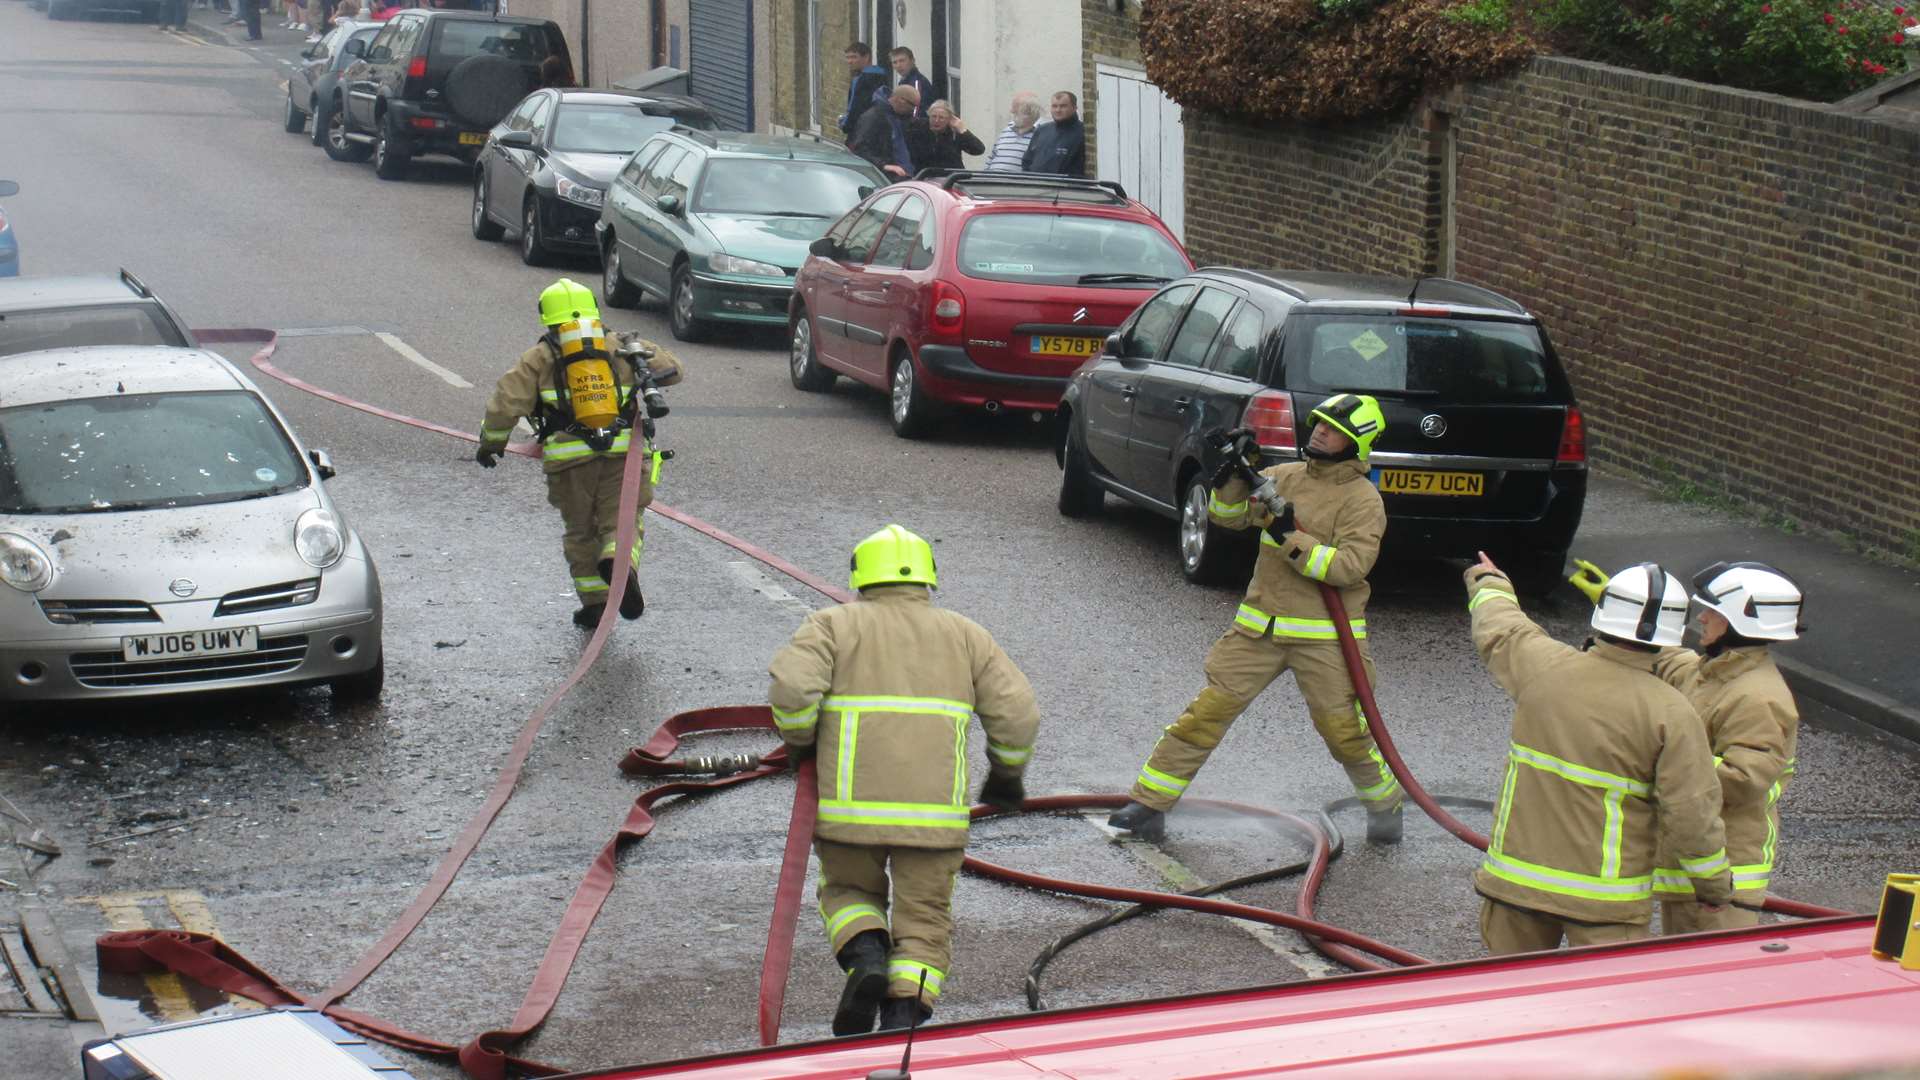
{"x": 716, "y": 223}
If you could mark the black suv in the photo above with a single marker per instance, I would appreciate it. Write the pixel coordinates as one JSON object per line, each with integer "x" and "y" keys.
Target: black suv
{"x": 433, "y": 82}
{"x": 1484, "y": 446}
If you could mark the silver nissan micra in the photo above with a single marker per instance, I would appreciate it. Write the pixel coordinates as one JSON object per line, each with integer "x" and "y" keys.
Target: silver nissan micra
{"x": 163, "y": 532}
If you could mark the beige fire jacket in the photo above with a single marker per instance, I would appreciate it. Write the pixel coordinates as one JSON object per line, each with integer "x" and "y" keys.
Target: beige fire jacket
{"x": 884, "y": 688}
{"x": 1338, "y": 523}
{"x": 528, "y": 387}
{"x": 1607, "y": 765}
{"x": 1752, "y": 727}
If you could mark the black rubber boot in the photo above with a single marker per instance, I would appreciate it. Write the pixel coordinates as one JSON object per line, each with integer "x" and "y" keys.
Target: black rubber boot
{"x": 632, "y": 604}
{"x": 865, "y": 961}
{"x": 899, "y": 1014}
{"x": 588, "y": 616}
{"x": 1383, "y": 828}
{"x": 1141, "y": 820}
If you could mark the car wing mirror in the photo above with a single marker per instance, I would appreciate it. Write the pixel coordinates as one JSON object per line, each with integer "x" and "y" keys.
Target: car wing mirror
{"x": 1111, "y": 347}
{"x": 355, "y": 47}
{"x": 864, "y": 190}
{"x": 668, "y": 204}
{"x": 517, "y": 140}
{"x": 322, "y": 464}
{"x": 826, "y": 247}
{"x": 8, "y": 189}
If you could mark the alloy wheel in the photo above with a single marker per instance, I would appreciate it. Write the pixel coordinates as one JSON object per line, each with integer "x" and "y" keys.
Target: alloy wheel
{"x": 683, "y": 301}
{"x": 902, "y": 390}
{"x": 610, "y": 274}
{"x": 802, "y": 347}
{"x": 1193, "y": 527}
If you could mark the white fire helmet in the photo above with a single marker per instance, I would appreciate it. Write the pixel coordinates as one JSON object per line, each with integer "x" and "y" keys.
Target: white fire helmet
{"x": 1761, "y": 603}
{"x": 1642, "y": 603}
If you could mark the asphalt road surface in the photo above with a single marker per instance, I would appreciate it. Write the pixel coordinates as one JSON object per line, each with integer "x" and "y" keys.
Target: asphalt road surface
{"x": 308, "y": 828}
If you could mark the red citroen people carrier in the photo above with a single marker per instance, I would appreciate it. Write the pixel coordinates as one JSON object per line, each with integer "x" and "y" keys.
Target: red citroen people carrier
{"x": 974, "y": 290}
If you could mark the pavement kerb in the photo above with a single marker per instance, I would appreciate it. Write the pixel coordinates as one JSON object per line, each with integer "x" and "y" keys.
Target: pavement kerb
{"x": 1867, "y": 706}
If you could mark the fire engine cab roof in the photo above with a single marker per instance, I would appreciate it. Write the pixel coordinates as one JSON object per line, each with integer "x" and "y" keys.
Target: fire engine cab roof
{"x": 1796, "y": 996}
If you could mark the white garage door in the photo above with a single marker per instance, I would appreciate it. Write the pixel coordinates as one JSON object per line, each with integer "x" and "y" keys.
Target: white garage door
{"x": 1140, "y": 143}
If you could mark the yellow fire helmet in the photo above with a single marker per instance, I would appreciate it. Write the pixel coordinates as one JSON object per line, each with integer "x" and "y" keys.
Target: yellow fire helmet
{"x": 566, "y": 300}
{"x": 893, "y": 556}
{"x": 1357, "y": 416}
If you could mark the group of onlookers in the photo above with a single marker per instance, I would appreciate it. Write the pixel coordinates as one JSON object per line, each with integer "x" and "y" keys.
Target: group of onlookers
{"x": 893, "y": 120}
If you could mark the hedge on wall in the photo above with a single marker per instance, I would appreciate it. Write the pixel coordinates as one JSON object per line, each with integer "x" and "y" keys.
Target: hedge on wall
{"x": 1318, "y": 60}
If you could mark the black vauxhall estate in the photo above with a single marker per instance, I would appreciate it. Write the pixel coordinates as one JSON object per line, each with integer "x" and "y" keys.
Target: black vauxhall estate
{"x": 1484, "y": 447}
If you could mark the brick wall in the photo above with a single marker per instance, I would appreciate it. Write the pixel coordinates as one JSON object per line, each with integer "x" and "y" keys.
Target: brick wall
{"x": 1732, "y": 279}
{"x": 1104, "y": 36}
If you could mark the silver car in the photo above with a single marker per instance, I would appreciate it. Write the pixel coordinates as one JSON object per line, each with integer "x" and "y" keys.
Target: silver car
{"x": 162, "y": 532}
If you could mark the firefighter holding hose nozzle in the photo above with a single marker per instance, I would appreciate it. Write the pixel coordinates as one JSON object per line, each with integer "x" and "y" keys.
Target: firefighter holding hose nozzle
{"x": 883, "y": 690}
{"x": 585, "y": 393}
{"x": 1607, "y": 764}
{"x": 1320, "y": 522}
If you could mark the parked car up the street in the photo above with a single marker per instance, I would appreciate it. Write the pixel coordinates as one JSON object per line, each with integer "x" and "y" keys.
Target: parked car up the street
{"x": 97, "y": 309}
{"x": 1484, "y": 447}
{"x": 313, "y": 86}
{"x": 9, "y": 244}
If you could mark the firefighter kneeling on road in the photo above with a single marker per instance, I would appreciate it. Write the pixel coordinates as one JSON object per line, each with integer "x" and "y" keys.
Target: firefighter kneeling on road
{"x": 1323, "y": 525}
{"x": 1607, "y": 762}
{"x": 583, "y": 397}
{"x": 884, "y": 688}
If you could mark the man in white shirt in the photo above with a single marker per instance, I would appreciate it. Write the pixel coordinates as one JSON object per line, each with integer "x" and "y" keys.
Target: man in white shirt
{"x": 1011, "y": 146}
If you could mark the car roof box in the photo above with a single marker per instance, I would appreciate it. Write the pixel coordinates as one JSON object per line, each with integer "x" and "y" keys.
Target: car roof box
{"x": 660, "y": 80}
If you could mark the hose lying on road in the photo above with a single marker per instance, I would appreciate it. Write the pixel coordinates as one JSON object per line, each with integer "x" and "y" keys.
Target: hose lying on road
{"x": 216, "y": 965}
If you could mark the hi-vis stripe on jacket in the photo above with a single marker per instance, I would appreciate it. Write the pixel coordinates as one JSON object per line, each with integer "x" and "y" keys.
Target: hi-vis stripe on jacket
{"x": 1607, "y": 764}
{"x": 884, "y": 688}
{"x": 529, "y": 386}
{"x": 1339, "y": 520}
{"x": 1752, "y": 727}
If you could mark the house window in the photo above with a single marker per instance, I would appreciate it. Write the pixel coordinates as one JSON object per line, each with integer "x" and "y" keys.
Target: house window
{"x": 813, "y": 64}
{"x": 953, "y": 57}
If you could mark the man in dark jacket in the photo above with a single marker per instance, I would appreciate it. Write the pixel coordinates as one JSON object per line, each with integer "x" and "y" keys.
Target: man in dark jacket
{"x": 881, "y": 135}
{"x": 906, "y": 74}
{"x": 866, "y": 78}
{"x": 1060, "y": 146}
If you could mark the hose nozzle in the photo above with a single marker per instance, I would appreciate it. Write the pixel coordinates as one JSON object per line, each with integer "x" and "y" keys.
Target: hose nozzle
{"x": 721, "y": 764}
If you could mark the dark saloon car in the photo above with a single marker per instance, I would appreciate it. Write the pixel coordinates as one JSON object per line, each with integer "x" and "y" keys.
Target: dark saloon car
{"x": 1484, "y": 447}
{"x": 313, "y": 86}
{"x": 546, "y": 167}
{"x": 434, "y": 81}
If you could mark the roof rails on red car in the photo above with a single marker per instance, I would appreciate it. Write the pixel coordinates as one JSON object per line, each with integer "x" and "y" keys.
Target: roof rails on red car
{"x": 139, "y": 287}
{"x": 968, "y": 180}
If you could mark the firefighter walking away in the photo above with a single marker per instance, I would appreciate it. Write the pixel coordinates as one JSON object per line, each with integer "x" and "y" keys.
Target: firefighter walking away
{"x": 877, "y": 696}
{"x": 1320, "y": 522}
{"x": 584, "y": 394}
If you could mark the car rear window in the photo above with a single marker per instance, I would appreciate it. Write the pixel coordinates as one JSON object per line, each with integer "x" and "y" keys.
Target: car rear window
{"x": 461, "y": 38}
{"x": 786, "y": 188}
{"x": 1465, "y": 360}
{"x": 142, "y": 451}
{"x": 111, "y": 324}
{"x": 1067, "y": 249}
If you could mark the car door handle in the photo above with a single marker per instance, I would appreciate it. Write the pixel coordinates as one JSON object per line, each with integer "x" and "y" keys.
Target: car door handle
{"x": 1127, "y": 390}
{"x": 1180, "y": 403}
{"x": 886, "y": 285}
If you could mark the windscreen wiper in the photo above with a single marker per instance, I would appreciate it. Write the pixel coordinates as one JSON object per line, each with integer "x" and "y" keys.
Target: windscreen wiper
{"x": 1106, "y": 279}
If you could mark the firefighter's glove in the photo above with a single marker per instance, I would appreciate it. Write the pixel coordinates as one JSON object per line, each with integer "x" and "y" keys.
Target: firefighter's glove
{"x": 1281, "y": 525}
{"x": 1243, "y": 444}
{"x": 1589, "y": 579}
{"x": 487, "y": 458}
{"x": 1003, "y": 791}
{"x": 798, "y": 756}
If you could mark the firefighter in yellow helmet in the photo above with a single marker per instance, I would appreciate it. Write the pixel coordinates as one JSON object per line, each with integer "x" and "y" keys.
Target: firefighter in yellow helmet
{"x": 584, "y": 394}
{"x": 1320, "y": 521}
{"x": 884, "y": 688}
{"x": 1606, "y": 762}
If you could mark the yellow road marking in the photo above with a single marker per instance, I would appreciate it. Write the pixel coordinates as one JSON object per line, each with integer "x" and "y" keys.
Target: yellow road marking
{"x": 188, "y": 38}
{"x": 191, "y": 912}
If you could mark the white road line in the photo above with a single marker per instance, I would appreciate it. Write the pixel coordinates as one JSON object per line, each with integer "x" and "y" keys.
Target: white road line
{"x": 755, "y": 580}
{"x": 413, "y": 354}
{"x": 1284, "y": 944}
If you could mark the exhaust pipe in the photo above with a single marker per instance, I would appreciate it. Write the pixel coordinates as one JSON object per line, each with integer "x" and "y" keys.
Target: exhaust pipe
{"x": 993, "y": 407}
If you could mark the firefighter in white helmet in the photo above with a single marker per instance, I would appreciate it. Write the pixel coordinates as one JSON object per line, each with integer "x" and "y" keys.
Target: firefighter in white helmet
{"x": 1751, "y": 724}
{"x": 584, "y": 393}
{"x": 1606, "y": 765}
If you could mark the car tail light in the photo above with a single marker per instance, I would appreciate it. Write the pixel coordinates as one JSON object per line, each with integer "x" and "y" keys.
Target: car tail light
{"x": 1573, "y": 438}
{"x": 949, "y": 309}
{"x": 1429, "y": 312}
{"x": 427, "y": 122}
{"x": 1270, "y": 415}
{"x": 417, "y": 69}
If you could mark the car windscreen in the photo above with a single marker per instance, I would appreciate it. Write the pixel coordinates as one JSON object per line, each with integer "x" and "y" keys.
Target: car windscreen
{"x": 1456, "y": 360}
{"x": 142, "y": 451}
{"x": 605, "y": 129}
{"x": 109, "y": 324}
{"x": 1067, "y": 249}
{"x": 461, "y": 38}
{"x": 786, "y": 188}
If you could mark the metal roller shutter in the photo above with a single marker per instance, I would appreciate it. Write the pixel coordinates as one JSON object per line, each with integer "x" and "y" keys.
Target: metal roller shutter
{"x": 720, "y": 59}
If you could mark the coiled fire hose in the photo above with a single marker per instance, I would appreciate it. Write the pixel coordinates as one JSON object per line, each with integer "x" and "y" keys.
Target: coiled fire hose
{"x": 214, "y": 964}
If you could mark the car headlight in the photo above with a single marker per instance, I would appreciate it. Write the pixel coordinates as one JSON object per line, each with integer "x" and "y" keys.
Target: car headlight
{"x": 318, "y": 539}
{"x": 23, "y": 564}
{"x": 733, "y": 264}
{"x": 575, "y": 192}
